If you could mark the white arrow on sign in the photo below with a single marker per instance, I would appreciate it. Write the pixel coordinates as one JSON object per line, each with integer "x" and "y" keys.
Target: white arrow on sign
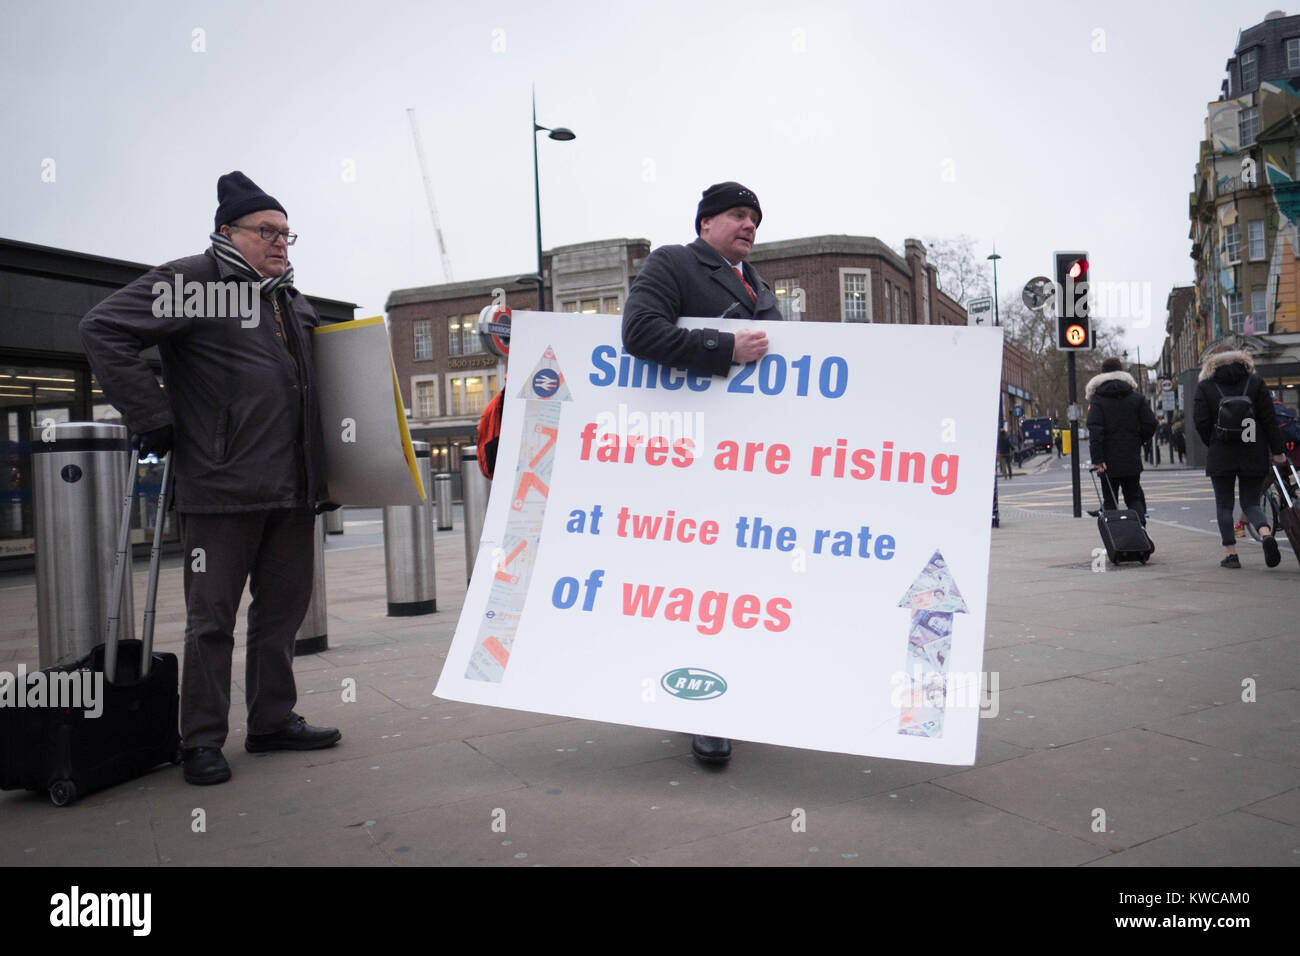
{"x": 933, "y": 599}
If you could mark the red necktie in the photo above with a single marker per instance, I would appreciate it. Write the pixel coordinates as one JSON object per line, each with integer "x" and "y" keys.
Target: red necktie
{"x": 740, "y": 273}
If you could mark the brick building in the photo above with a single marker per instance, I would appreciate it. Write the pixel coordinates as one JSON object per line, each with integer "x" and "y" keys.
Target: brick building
{"x": 447, "y": 373}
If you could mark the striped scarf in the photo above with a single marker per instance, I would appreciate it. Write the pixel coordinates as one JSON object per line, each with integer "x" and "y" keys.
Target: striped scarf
{"x": 225, "y": 250}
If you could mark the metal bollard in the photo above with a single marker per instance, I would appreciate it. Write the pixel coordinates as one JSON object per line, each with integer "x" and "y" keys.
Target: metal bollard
{"x": 313, "y": 633}
{"x": 333, "y": 521}
{"x": 442, "y": 482}
{"x": 78, "y": 471}
{"x": 408, "y": 549}
{"x": 475, "y": 489}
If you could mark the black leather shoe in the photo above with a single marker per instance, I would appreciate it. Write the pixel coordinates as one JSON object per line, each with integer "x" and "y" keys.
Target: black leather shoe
{"x": 711, "y": 750}
{"x": 205, "y": 765}
{"x": 1272, "y": 554}
{"x": 296, "y": 735}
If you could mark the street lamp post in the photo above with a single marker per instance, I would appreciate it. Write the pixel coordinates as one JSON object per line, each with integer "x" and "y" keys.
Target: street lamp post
{"x": 995, "y": 257}
{"x": 561, "y": 134}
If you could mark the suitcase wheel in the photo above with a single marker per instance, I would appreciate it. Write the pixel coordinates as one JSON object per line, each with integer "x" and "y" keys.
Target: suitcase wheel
{"x": 62, "y": 792}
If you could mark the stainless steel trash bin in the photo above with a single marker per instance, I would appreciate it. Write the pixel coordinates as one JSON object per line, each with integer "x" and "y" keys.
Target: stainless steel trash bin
{"x": 79, "y": 471}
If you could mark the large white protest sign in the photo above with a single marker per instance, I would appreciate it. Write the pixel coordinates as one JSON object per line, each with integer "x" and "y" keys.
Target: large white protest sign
{"x": 796, "y": 555}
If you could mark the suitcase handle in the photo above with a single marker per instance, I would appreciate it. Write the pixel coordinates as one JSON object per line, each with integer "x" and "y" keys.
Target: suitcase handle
{"x": 1282, "y": 484}
{"x": 155, "y": 560}
{"x": 122, "y": 567}
{"x": 1097, "y": 488}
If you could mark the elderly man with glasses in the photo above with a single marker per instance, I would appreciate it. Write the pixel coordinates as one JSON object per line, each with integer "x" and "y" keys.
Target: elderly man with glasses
{"x": 240, "y": 413}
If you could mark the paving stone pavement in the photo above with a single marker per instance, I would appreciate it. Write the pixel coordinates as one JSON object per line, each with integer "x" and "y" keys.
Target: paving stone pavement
{"x": 1121, "y": 737}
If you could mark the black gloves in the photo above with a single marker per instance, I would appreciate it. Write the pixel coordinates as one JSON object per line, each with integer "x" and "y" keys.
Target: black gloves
{"x": 157, "y": 442}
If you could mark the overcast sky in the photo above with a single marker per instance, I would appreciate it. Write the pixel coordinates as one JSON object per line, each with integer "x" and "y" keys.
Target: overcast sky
{"x": 1038, "y": 126}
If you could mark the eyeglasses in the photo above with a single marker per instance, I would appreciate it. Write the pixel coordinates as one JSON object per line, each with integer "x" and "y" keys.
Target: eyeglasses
{"x": 269, "y": 234}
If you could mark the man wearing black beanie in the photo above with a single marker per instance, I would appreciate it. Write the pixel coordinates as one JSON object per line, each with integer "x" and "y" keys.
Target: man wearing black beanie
{"x": 707, "y": 279}
{"x": 241, "y": 417}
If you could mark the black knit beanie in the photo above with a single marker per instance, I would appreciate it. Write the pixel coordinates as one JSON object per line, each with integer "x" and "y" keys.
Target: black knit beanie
{"x": 237, "y": 195}
{"x": 723, "y": 196}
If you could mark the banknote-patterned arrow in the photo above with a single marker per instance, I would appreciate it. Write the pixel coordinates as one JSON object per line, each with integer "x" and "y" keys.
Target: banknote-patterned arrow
{"x": 542, "y": 395}
{"x": 934, "y": 599}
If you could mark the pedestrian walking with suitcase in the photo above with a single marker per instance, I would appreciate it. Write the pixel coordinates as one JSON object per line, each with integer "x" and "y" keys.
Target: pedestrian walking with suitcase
{"x": 1233, "y": 414}
{"x": 1120, "y": 423}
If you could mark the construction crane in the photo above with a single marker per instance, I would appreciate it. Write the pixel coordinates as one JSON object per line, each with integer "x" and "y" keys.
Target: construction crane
{"x": 428, "y": 191}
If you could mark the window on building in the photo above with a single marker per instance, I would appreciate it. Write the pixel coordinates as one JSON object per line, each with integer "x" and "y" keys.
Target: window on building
{"x": 592, "y": 305}
{"x": 471, "y": 392}
{"x": 788, "y": 299}
{"x": 1293, "y": 54}
{"x": 907, "y": 307}
{"x": 454, "y": 341}
{"x": 1231, "y": 243}
{"x": 1236, "y": 321}
{"x": 856, "y": 290}
{"x": 1248, "y": 125}
{"x": 1249, "y": 64}
{"x": 889, "y": 301}
{"x": 898, "y": 304}
{"x": 423, "y": 339}
{"x": 1255, "y": 239}
{"x": 426, "y": 399}
{"x": 471, "y": 341}
{"x": 1257, "y": 311}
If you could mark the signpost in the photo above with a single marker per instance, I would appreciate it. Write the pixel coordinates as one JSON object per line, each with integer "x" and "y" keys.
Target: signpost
{"x": 980, "y": 312}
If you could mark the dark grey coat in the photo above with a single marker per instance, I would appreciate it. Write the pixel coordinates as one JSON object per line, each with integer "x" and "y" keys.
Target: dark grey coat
{"x": 693, "y": 281}
{"x": 1228, "y": 373}
{"x": 245, "y": 414}
{"x": 1119, "y": 423}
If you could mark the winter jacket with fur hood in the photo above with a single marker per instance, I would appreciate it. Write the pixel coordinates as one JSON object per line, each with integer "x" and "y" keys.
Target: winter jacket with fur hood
{"x": 1119, "y": 423}
{"x": 1228, "y": 373}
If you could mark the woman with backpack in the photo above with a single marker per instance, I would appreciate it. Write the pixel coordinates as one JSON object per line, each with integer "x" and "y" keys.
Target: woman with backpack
{"x": 1233, "y": 414}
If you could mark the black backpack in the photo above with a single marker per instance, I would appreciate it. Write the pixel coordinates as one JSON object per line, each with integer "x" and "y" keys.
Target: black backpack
{"x": 1233, "y": 412}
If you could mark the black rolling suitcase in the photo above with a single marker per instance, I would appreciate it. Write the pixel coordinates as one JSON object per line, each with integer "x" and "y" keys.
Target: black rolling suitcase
{"x": 1121, "y": 530}
{"x": 66, "y": 751}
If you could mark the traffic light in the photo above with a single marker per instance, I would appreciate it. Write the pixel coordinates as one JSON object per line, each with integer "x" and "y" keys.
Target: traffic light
{"x": 1073, "y": 312}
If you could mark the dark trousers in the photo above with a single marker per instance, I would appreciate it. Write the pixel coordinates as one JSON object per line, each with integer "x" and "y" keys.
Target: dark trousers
{"x": 1131, "y": 486}
{"x": 1252, "y": 491}
{"x": 273, "y": 551}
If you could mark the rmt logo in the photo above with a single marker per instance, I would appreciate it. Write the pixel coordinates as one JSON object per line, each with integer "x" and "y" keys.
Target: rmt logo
{"x": 693, "y": 683}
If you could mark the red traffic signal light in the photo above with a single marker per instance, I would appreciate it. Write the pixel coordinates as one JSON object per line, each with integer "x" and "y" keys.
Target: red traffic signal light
{"x": 1073, "y": 281}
